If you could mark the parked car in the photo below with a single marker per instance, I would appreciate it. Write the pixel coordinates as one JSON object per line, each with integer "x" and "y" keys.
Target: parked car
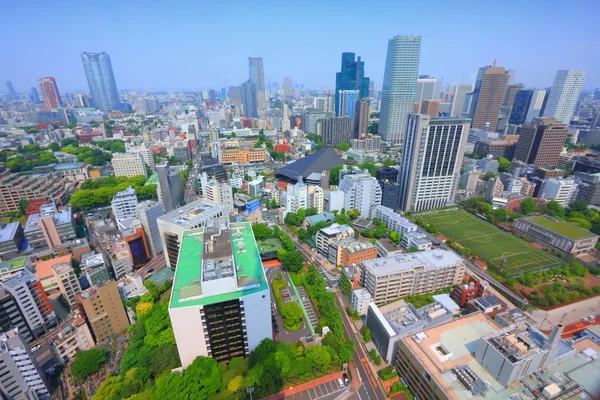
{"x": 276, "y": 328}
{"x": 346, "y": 380}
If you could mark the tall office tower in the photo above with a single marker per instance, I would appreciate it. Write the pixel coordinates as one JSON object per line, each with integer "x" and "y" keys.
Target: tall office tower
{"x": 22, "y": 377}
{"x": 32, "y": 300}
{"x": 103, "y": 309}
{"x": 324, "y": 103}
{"x": 221, "y": 303}
{"x": 287, "y": 87}
{"x": 361, "y": 118}
{"x": 248, "y": 92}
{"x": 286, "y": 112}
{"x": 82, "y": 100}
{"x": 488, "y": 95}
{"x": 124, "y": 204}
{"x": 362, "y": 192}
{"x": 11, "y": 90}
{"x": 350, "y": 77}
{"x": 427, "y": 89}
{"x": 335, "y": 130}
{"x": 347, "y": 100}
{"x": 149, "y": 212}
{"x": 50, "y": 92}
{"x": 235, "y": 96}
{"x": 509, "y": 98}
{"x": 430, "y": 107}
{"x": 256, "y": 73}
{"x": 129, "y": 164}
{"x": 101, "y": 80}
{"x": 541, "y": 142}
{"x": 527, "y": 106}
{"x": 399, "y": 87}
{"x": 431, "y": 160}
{"x": 170, "y": 186}
{"x": 564, "y": 94}
{"x": 458, "y": 101}
{"x": 371, "y": 88}
{"x": 219, "y": 192}
{"x": 11, "y": 317}
{"x": 34, "y": 95}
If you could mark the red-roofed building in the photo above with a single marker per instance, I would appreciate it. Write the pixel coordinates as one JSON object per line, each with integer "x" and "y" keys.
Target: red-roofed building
{"x": 462, "y": 293}
{"x": 34, "y": 206}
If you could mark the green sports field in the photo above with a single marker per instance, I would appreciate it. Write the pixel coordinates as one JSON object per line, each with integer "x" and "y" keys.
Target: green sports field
{"x": 490, "y": 243}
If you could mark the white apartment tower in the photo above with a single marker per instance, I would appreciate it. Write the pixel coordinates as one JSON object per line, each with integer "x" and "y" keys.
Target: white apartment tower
{"x": 149, "y": 212}
{"x": 316, "y": 197}
{"x": 124, "y": 204}
{"x": 362, "y": 192}
{"x": 458, "y": 101}
{"x": 431, "y": 161}
{"x": 399, "y": 87}
{"x": 220, "y": 193}
{"x": 564, "y": 94}
{"x": 427, "y": 89}
{"x": 129, "y": 164}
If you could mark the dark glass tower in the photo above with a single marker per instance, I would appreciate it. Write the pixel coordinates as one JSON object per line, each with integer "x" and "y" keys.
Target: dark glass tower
{"x": 520, "y": 107}
{"x": 351, "y": 77}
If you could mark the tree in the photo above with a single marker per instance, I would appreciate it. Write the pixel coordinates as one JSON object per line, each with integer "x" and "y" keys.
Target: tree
{"x": 300, "y": 215}
{"x": 292, "y": 260}
{"x": 320, "y": 357}
{"x": 579, "y": 205}
{"x": 344, "y": 146}
{"x": 334, "y": 175}
{"x": 292, "y": 315}
{"x": 261, "y": 231}
{"x": 88, "y": 362}
{"x": 291, "y": 219}
{"x": 395, "y": 237}
{"x": 528, "y": 206}
{"x": 366, "y": 333}
{"x": 353, "y": 214}
{"x": 503, "y": 164}
{"x": 23, "y": 204}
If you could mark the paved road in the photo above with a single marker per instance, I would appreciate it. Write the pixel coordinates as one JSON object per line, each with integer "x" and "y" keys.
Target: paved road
{"x": 156, "y": 264}
{"x": 370, "y": 387}
{"x": 325, "y": 391}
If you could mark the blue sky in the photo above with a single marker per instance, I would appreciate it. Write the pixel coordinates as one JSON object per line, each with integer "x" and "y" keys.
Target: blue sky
{"x": 199, "y": 44}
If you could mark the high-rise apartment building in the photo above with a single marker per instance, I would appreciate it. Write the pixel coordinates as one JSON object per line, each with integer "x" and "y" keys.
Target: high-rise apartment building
{"x": 431, "y": 161}
{"x": 28, "y": 293}
{"x": 310, "y": 118}
{"x": 427, "y": 89}
{"x": 346, "y": 102}
{"x": 21, "y": 377}
{"x": 399, "y": 87}
{"x": 149, "y": 212}
{"x": 393, "y": 277}
{"x": 488, "y": 96}
{"x": 256, "y": 74}
{"x": 541, "y": 142}
{"x": 324, "y": 103}
{"x": 101, "y": 80}
{"x": 220, "y": 303}
{"x": 129, "y": 164}
{"x": 361, "y": 118}
{"x": 191, "y": 216}
{"x": 362, "y": 192}
{"x": 335, "y": 130}
{"x": 124, "y": 204}
{"x": 103, "y": 310}
{"x": 219, "y": 192}
{"x": 67, "y": 281}
{"x": 287, "y": 86}
{"x": 351, "y": 77}
{"x": 170, "y": 186}
{"x": 11, "y": 316}
{"x": 50, "y": 92}
{"x": 564, "y": 94}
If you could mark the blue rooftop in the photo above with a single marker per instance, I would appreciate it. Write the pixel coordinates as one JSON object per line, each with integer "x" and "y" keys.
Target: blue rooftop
{"x": 60, "y": 167}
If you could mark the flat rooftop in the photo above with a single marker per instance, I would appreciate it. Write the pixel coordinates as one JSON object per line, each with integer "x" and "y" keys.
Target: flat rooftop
{"x": 562, "y": 228}
{"x": 229, "y": 270}
{"x": 191, "y": 213}
{"x": 8, "y": 231}
{"x": 431, "y": 259}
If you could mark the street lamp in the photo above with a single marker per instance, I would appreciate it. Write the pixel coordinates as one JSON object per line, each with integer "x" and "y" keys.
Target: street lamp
{"x": 249, "y": 391}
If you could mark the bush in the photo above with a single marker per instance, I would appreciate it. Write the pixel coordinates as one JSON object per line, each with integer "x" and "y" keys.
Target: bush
{"x": 366, "y": 333}
{"x": 88, "y": 362}
{"x": 292, "y": 316}
{"x": 377, "y": 360}
{"x": 387, "y": 373}
{"x": 372, "y": 354}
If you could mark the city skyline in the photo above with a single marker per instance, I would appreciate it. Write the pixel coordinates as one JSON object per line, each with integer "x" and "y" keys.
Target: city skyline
{"x": 141, "y": 65}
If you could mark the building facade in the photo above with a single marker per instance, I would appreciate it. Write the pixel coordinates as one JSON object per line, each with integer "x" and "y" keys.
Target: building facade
{"x": 336, "y": 130}
{"x": 101, "y": 81}
{"x": 350, "y": 77}
{"x": 488, "y": 96}
{"x": 564, "y": 94}
{"x": 541, "y": 142}
{"x": 128, "y": 164}
{"x": 50, "y": 92}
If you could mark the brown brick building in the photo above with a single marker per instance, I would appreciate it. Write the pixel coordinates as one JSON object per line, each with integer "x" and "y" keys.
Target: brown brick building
{"x": 490, "y": 89}
{"x": 357, "y": 252}
{"x": 541, "y": 142}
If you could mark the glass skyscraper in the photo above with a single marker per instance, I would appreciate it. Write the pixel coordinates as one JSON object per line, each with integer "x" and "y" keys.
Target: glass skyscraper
{"x": 351, "y": 77}
{"x": 564, "y": 94}
{"x": 399, "y": 87}
{"x": 101, "y": 80}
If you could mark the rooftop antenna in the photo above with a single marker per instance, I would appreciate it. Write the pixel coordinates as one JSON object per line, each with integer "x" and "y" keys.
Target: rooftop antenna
{"x": 495, "y": 62}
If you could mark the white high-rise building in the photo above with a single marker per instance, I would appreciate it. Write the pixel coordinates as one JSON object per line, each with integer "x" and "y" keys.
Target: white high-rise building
{"x": 129, "y": 164}
{"x": 362, "y": 192}
{"x": 149, "y": 212}
{"x": 220, "y": 193}
{"x": 535, "y": 106}
{"x": 427, "y": 89}
{"x": 431, "y": 161}
{"x": 295, "y": 198}
{"x": 125, "y": 204}
{"x": 564, "y": 94}
{"x": 399, "y": 87}
{"x": 458, "y": 101}
{"x": 563, "y": 191}
{"x": 324, "y": 103}
{"x": 316, "y": 198}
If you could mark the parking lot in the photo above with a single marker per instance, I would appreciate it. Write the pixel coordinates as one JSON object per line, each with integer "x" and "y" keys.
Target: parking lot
{"x": 325, "y": 391}
{"x": 307, "y": 304}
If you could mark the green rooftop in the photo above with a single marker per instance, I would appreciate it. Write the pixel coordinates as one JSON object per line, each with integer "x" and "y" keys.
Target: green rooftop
{"x": 152, "y": 179}
{"x": 564, "y": 228}
{"x": 248, "y": 276}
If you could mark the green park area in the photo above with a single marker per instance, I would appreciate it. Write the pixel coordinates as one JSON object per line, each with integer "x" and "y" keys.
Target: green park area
{"x": 500, "y": 250}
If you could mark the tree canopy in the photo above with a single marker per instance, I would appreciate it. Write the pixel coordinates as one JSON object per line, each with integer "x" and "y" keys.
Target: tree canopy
{"x": 88, "y": 362}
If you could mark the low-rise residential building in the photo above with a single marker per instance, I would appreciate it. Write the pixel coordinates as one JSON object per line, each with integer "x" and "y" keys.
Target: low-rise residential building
{"x": 74, "y": 336}
{"x": 563, "y": 191}
{"x": 394, "y": 277}
{"x": 361, "y": 298}
{"x": 50, "y": 228}
{"x": 256, "y": 186}
{"x": 393, "y": 221}
{"x": 416, "y": 240}
{"x": 326, "y": 236}
{"x": 15, "y": 187}
{"x": 131, "y": 285}
{"x": 557, "y": 234}
{"x": 11, "y": 240}
{"x": 463, "y": 293}
{"x": 386, "y": 248}
{"x": 129, "y": 164}
{"x": 356, "y": 252}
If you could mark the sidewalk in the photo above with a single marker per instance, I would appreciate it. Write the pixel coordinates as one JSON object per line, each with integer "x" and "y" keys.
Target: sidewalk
{"x": 301, "y": 388}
